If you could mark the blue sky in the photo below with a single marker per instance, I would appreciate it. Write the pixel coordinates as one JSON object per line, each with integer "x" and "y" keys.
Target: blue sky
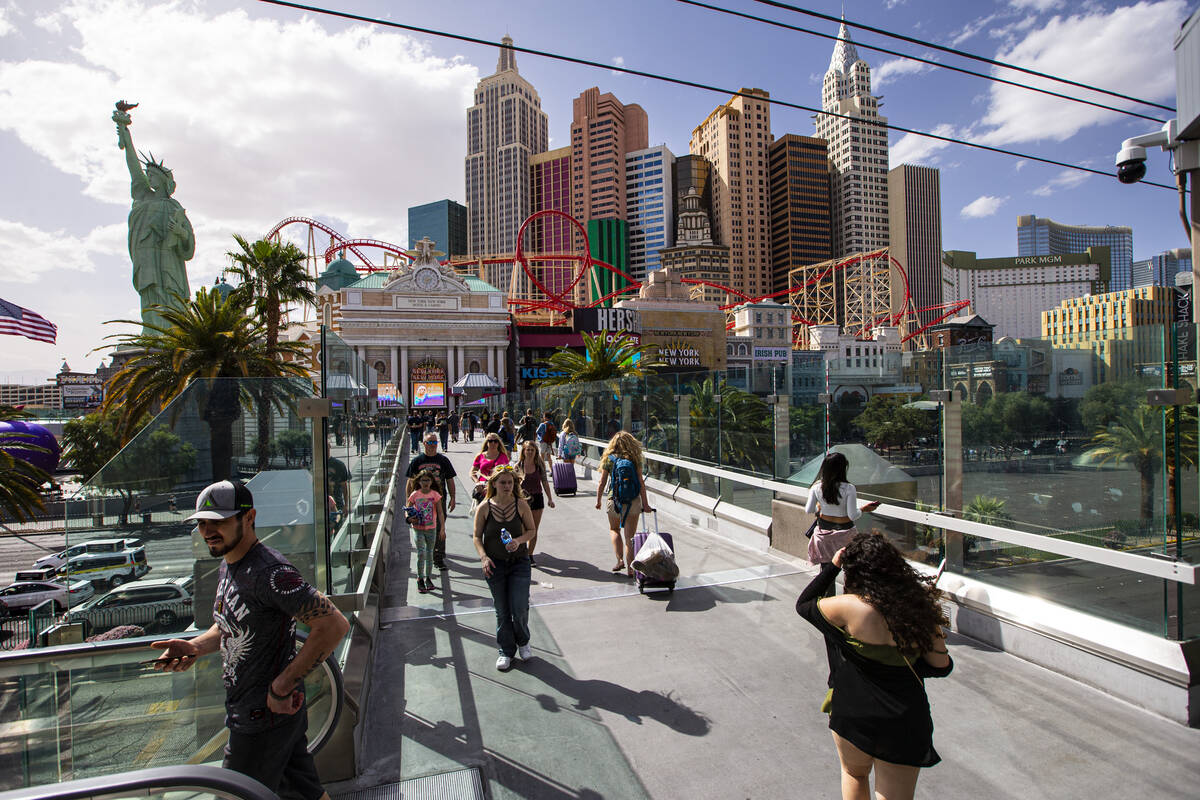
{"x": 266, "y": 113}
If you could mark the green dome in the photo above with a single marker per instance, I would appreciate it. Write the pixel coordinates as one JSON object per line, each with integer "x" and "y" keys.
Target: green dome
{"x": 338, "y": 274}
{"x": 219, "y": 285}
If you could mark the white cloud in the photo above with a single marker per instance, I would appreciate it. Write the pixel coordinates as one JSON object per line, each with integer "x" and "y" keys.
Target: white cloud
{"x": 971, "y": 29}
{"x": 913, "y": 149}
{"x": 983, "y": 206}
{"x": 1035, "y": 5}
{"x": 6, "y": 27}
{"x": 889, "y": 71}
{"x": 618, "y": 61}
{"x": 1126, "y": 50}
{"x": 1067, "y": 179}
{"x": 259, "y": 120}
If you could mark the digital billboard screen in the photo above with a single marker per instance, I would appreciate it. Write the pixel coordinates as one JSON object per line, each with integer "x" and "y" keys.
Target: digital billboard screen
{"x": 428, "y": 394}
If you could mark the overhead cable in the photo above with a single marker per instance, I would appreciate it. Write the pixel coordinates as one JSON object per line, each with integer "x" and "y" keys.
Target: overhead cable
{"x": 691, "y": 84}
{"x": 974, "y": 57}
{"x": 918, "y": 59}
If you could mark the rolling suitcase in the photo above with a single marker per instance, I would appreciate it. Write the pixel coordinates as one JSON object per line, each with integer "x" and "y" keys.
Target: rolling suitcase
{"x": 645, "y": 581}
{"x": 564, "y": 478}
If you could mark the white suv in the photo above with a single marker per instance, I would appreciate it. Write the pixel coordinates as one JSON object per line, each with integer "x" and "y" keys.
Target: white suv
{"x": 56, "y": 560}
{"x": 24, "y": 595}
{"x": 163, "y": 602}
{"x": 107, "y": 569}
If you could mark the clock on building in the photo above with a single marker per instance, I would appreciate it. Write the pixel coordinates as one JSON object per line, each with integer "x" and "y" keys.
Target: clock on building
{"x": 427, "y": 278}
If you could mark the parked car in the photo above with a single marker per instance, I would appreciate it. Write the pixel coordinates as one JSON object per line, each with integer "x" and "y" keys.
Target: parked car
{"x": 24, "y": 595}
{"x": 56, "y": 560}
{"x": 162, "y": 602}
{"x": 106, "y": 569}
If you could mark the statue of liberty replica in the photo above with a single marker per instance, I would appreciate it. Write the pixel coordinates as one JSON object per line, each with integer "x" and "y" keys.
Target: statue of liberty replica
{"x": 160, "y": 235}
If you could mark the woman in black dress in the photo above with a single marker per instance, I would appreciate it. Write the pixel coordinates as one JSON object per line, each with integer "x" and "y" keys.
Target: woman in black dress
{"x": 883, "y": 637}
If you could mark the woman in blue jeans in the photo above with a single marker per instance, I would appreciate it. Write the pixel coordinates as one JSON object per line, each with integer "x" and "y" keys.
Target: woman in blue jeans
{"x": 506, "y": 567}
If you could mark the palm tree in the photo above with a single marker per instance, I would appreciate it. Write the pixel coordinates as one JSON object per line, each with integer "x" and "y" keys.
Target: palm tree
{"x": 273, "y": 274}
{"x": 19, "y": 480}
{"x": 734, "y": 432}
{"x": 985, "y": 509}
{"x": 205, "y": 338}
{"x": 1135, "y": 437}
{"x": 603, "y": 361}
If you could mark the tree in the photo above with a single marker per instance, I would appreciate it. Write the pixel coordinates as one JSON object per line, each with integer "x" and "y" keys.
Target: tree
{"x": 153, "y": 462}
{"x": 91, "y": 441}
{"x": 1135, "y": 437}
{"x": 20, "y": 497}
{"x": 273, "y": 275}
{"x": 886, "y": 422}
{"x": 742, "y": 436}
{"x": 985, "y": 509}
{"x": 204, "y": 338}
{"x": 1104, "y": 402}
{"x": 603, "y": 360}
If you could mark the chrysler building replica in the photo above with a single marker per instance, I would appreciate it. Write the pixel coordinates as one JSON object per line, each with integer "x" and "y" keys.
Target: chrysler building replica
{"x": 504, "y": 128}
{"x": 858, "y": 152}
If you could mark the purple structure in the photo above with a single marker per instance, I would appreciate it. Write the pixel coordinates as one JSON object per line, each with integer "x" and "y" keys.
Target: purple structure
{"x": 33, "y": 434}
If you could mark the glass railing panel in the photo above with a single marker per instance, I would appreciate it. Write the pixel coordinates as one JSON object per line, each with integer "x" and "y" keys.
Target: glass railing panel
{"x": 137, "y": 504}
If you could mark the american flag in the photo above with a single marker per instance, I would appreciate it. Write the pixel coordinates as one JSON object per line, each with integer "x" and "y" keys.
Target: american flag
{"x": 17, "y": 321}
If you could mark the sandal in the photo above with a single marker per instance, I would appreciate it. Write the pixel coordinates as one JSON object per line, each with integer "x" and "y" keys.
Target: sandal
{"x": 620, "y": 566}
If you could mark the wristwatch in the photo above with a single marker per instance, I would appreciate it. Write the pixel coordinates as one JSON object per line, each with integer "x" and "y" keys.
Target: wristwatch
{"x": 271, "y": 692}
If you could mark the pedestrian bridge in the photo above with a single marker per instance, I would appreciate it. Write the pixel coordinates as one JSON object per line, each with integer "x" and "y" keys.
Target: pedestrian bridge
{"x": 712, "y": 691}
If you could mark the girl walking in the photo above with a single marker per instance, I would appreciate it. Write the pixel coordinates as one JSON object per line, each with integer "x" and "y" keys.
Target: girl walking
{"x": 835, "y": 502}
{"x": 621, "y": 463}
{"x": 491, "y": 455}
{"x": 428, "y": 524}
{"x": 568, "y": 442}
{"x": 532, "y": 471}
{"x": 506, "y": 563}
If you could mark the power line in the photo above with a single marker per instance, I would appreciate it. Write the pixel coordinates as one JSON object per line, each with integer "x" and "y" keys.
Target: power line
{"x": 918, "y": 59}
{"x": 688, "y": 83}
{"x": 963, "y": 53}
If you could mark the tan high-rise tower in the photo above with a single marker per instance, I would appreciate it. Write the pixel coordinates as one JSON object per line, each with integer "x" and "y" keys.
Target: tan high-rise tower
{"x": 736, "y": 140}
{"x": 858, "y": 152}
{"x": 915, "y": 209}
{"x": 504, "y": 128}
{"x": 603, "y": 130}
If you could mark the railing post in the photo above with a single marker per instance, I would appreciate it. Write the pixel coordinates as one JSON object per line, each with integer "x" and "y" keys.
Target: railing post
{"x": 952, "y": 472}
{"x": 684, "y": 442}
{"x": 318, "y": 409}
{"x": 626, "y": 410}
{"x": 781, "y": 434}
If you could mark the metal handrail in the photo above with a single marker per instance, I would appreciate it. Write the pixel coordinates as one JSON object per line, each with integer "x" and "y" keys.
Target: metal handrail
{"x": 1158, "y": 567}
{"x": 385, "y": 520}
{"x": 147, "y": 782}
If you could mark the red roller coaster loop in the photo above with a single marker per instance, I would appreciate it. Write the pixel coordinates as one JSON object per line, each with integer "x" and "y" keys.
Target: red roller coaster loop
{"x": 312, "y": 223}
{"x": 348, "y": 244}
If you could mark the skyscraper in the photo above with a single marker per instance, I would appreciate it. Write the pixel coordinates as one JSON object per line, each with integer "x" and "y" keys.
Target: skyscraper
{"x": 1161, "y": 269}
{"x": 504, "y": 128}
{"x": 444, "y": 222}
{"x": 858, "y": 152}
{"x": 550, "y": 182}
{"x": 1039, "y": 236}
{"x": 603, "y": 130}
{"x": 801, "y": 228}
{"x": 915, "y": 222}
{"x": 735, "y": 139}
{"x": 694, "y": 254}
{"x": 650, "y": 206}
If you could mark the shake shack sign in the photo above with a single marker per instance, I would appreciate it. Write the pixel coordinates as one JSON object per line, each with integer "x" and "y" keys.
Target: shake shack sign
{"x": 609, "y": 320}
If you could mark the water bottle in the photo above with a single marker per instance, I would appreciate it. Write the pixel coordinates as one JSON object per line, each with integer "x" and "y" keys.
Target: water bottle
{"x": 505, "y": 537}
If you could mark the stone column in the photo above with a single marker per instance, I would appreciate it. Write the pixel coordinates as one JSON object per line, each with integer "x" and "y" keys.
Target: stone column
{"x": 491, "y": 367}
{"x": 461, "y": 357}
{"x": 402, "y": 386}
{"x": 396, "y": 368}
{"x": 451, "y": 375}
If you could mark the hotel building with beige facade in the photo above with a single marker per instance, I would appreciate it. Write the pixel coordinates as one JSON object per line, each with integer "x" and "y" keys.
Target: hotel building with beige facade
{"x": 736, "y": 140}
{"x": 1124, "y": 330}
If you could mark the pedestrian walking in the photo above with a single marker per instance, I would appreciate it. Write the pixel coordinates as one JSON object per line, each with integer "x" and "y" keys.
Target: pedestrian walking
{"x": 470, "y": 421}
{"x": 503, "y": 529}
{"x": 508, "y": 431}
{"x": 493, "y": 454}
{"x": 835, "y": 502}
{"x": 546, "y": 436}
{"x": 454, "y": 423}
{"x": 433, "y": 462}
{"x": 259, "y": 599}
{"x": 442, "y": 423}
{"x": 536, "y": 487}
{"x": 428, "y": 524}
{"x": 569, "y": 446}
{"x": 621, "y": 463}
{"x": 528, "y": 427}
{"x": 883, "y": 637}
{"x": 416, "y": 426}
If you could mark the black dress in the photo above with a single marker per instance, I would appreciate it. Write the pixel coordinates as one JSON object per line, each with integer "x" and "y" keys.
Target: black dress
{"x": 881, "y": 709}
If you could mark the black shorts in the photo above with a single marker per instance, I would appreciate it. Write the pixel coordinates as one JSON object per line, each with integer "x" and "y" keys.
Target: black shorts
{"x": 537, "y": 502}
{"x": 278, "y": 758}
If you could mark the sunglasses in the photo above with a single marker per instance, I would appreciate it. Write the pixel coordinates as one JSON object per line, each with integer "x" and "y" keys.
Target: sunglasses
{"x": 504, "y": 468}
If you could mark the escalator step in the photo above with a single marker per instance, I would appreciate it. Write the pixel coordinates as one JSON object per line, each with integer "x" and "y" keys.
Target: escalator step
{"x": 461, "y": 784}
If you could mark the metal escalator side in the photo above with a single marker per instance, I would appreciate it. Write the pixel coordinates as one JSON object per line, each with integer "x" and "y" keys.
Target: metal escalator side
{"x": 192, "y": 781}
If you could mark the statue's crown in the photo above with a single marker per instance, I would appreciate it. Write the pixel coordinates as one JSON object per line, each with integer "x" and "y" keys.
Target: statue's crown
{"x": 152, "y": 162}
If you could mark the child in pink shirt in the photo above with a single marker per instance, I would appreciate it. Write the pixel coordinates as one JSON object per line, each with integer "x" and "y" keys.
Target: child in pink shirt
{"x": 426, "y": 521}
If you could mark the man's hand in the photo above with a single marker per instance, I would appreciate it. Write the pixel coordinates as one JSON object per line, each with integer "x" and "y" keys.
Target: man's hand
{"x": 290, "y": 706}
{"x": 597, "y": 504}
{"x": 180, "y": 655}
{"x": 451, "y": 504}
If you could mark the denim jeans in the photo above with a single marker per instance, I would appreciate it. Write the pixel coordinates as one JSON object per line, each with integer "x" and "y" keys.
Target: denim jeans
{"x": 510, "y": 596}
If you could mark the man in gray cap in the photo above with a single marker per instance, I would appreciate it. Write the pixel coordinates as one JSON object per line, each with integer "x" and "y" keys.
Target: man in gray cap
{"x": 260, "y": 598}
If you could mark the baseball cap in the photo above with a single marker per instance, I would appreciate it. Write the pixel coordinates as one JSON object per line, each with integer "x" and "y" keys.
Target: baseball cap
{"x": 222, "y": 500}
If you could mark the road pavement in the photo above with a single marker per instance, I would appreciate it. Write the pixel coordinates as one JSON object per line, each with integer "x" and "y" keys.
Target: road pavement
{"x": 710, "y": 692}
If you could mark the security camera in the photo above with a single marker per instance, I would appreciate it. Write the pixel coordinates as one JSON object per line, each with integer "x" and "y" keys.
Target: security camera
{"x": 1131, "y": 160}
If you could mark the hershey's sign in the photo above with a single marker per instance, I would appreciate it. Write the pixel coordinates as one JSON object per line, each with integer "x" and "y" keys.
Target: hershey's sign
{"x": 593, "y": 320}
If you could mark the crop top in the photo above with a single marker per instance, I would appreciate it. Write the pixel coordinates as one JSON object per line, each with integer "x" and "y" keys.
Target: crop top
{"x": 847, "y": 505}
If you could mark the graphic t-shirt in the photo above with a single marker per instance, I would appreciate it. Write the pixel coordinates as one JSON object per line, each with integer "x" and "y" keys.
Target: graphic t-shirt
{"x": 256, "y": 601}
{"x": 437, "y": 465}
{"x": 426, "y": 506}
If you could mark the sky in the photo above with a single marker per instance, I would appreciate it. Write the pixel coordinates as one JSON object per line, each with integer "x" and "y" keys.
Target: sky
{"x": 266, "y": 113}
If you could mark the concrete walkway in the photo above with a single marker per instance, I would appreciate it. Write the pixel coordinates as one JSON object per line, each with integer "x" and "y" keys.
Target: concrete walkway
{"x": 712, "y": 692}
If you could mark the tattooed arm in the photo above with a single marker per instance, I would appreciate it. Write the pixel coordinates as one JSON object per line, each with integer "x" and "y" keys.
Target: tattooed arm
{"x": 327, "y": 628}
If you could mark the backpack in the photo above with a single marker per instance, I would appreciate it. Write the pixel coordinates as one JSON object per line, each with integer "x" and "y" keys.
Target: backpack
{"x": 625, "y": 485}
{"x": 570, "y": 447}
{"x": 546, "y": 432}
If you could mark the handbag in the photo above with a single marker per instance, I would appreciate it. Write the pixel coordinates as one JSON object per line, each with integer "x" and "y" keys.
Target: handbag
{"x": 808, "y": 533}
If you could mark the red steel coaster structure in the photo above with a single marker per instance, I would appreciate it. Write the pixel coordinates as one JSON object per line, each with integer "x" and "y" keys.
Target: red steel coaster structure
{"x": 866, "y": 280}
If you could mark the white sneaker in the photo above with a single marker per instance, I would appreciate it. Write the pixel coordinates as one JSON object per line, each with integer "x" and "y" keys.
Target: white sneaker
{"x": 503, "y": 663}
{"x": 524, "y": 652}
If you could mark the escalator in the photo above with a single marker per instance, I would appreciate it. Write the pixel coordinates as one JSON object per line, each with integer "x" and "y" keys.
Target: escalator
{"x": 97, "y": 711}
{"x": 194, "y": 782}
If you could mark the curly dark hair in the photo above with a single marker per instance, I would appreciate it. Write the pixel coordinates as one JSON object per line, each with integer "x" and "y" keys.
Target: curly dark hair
{"x": 876, "y": 572}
